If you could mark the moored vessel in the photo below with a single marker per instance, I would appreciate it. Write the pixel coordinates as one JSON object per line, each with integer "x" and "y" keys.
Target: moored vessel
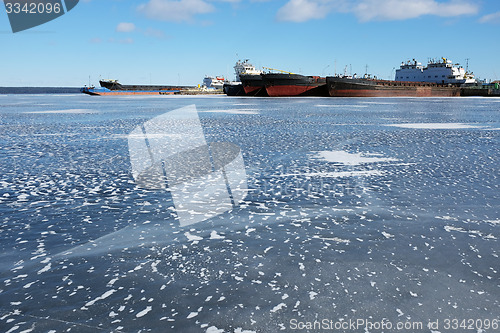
{"x": 233, "y": 89}
{"x": 482, "y": 90}
{"x": 236, "y": 88}
{"x": 437, "y": 79}
{"x": 114, "y": 88}
{"x": 115, "y": 85}
{"x": 352, "y": 87}
{"x": 289, "y": 84}
{"x": 253, "y": 85}
{"x": 250, "y": 79}
{"x": 102, "y": 91}
{"x": 211, "y": 82}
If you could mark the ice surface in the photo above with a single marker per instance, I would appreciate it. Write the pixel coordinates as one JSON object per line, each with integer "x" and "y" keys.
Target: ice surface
{"x": 345, "y": 216}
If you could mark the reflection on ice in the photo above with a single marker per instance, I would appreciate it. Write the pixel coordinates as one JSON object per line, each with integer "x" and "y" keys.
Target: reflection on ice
{"x": 170, "y": 152}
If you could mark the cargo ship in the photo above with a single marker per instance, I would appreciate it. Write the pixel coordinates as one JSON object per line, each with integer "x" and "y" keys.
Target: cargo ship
{"x": 114, "y": 88}
{"x": 253, "y": 85}
{"x": 236, "y": 87}
{"x": 438, "y": 79}
{"x": 115, "y": 85}
{"x": 286, "y": 84}
{"x": 100, "y": 91}
{"x": 249, "y": 78}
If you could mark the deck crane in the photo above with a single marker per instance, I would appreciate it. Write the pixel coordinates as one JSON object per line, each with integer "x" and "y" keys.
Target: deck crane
{"x": 279, "y": 70}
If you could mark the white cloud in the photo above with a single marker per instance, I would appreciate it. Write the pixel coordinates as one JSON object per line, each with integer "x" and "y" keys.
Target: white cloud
{"x": 375, "y": 10}
{"x": 491, "y": 18}
{"x": 150, "y": 32}
{"x": 125, "y": 27}
{"x": 301, "y": 11}
{"x": 174, "y": 10}
{"x": 121, "y": 41}
{"x": 126, "y": 41}
{"x": 388, "y": 10}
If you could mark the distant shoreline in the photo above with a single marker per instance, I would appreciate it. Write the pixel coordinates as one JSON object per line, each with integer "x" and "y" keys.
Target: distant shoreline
{"x": 39, "y": 90}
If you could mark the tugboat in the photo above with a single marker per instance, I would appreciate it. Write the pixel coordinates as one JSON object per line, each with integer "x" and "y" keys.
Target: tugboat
{"x": 438, "y": 79}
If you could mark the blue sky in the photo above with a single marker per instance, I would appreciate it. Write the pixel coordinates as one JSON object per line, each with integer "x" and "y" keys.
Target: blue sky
{"x": 181, "y": 41}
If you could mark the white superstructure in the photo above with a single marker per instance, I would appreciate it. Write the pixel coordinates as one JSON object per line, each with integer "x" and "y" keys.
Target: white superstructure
{"x": 244, "y": 68}
{"x": 442, "y": 71}
{"x": 213, "y": 82}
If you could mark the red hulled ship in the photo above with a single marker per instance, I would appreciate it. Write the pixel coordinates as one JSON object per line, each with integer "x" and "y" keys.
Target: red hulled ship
{"x": 349, "y": 87}
{"x": 289, "y": 84}
{"x": 438, "y": 79}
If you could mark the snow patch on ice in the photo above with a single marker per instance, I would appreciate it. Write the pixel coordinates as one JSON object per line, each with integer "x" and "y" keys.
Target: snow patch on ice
{"x": 278, "y": 307}
{"x": 45, "y": 269}
{"x": 240, "y": 330}
{"x": 435, "y": 125}
{"x": 334, "y": 239}
{"x": 347, "y": 106}
{"x": 192, "y": 238}
{"x": 144, "y": 312}
{"x": 343, "y": 157}
{"x": 215, "y": 235}
{"x": 77, "y": 111}
{"x": 450, "y": 228}
{"x": 233, "y": 111}
{"x": 338, "y": 174}
{"x": 213, "y": 329}
{"x": 103, "y": 296}
{"x": 387, "y": 235}
{"x": 192, "y": 315}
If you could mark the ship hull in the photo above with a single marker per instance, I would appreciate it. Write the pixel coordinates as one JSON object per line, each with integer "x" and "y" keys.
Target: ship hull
{"x": 346, "y": 87}
{"x": 233, "y": 90}
{"x": 253, "y": 85}
{"x": 107, "y": 92}
{"x": 288, "y": 85}
{"x": 486, "y": 90}
{"x": 114, "y": 85}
